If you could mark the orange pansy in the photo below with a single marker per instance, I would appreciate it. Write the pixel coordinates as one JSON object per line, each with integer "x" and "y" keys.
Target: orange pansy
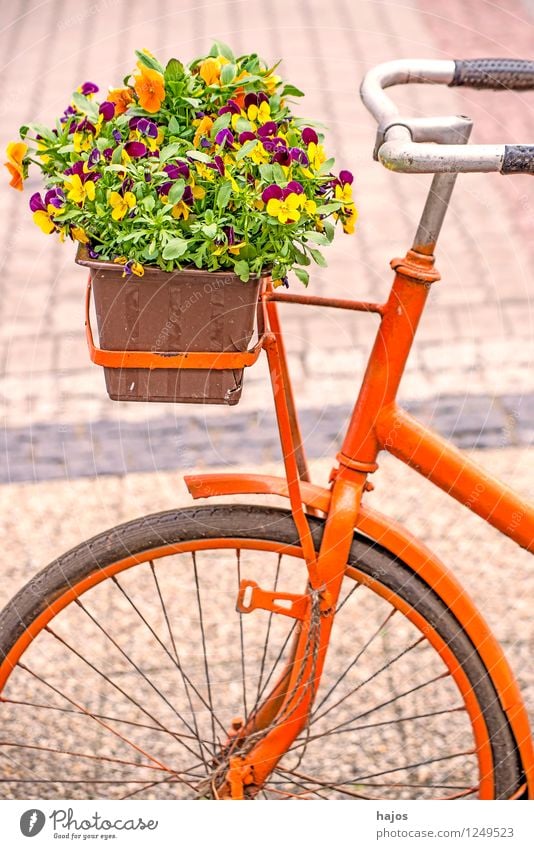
{"x": 16, "y": 151}
{"x": 150, "y": 88}
{"x": 121, "y": 97}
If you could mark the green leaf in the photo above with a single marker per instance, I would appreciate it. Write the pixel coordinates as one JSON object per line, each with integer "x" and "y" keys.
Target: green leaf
{"x": 40, "y": 130}
{"x": 117, "y": 155}
{"x": 149, "y": 61}
{"x": 302, "y": 275}
{"x": 209, "y": 230}
{"x": 175, "y": 248}
{"x": 174, "y": 70}
{"x": 198, "y": 155}
{"x": 86, "y": 106}
{"x": 177, "y": 191}
{"x": 327, "y": 208}
{"x": 224, "y": 194}
{"x": 222, "y": 122}
{"x": 243, "y": 126}
{"x": 318, "y": 238}
{"x": 301, "y": 257}
{"x": 266, "y": 173}
{"x": 209, "y": 216}
{"x": 228, "y": 73}
{"x": 326, "y": 167}
{"x": 318, "y": 257}
{"x": 242, "y": 269}
{"x": 174, "y": 126}
{"x": 169, "y": 151}
{"x": 219, "y": 48}
{"x": 66, "y": 148}
{"x": 329, "y": 230}
{"x": 247, "y": 148}
{"x": 292, "y": 91}
{"x": 278, "y": 174}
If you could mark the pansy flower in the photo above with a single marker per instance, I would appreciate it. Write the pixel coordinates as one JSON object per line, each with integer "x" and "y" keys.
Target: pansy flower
{"x": 79, "y": 191}
{"x": 87, "y": 89}
{"x": 121, "y": 98}
{"x": 150, "y": 88}
{"x": 224, "y": 137}
{"x": 203, "y": 126}
{"x": 286, "y": 210}
{"x": 16, "y": 151}
{"x": 135, "y": 149}
{"x": 121, "y": 204}
{"x": 42, "y": 213}
{"x": 107, "y": 110}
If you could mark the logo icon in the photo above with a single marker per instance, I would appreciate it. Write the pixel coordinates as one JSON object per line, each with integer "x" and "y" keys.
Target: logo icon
{"x": 32, "y": 822}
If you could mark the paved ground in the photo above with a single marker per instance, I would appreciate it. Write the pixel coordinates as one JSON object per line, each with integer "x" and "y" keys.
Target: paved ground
{"x": 476, "y": 339}
{"x": 492, "y": 569}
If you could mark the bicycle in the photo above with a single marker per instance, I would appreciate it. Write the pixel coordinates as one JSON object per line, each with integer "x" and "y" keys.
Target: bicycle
{"x": 179, "y": 656}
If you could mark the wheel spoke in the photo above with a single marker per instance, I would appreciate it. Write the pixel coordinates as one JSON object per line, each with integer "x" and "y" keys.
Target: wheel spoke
{"x": 203, "y": 637}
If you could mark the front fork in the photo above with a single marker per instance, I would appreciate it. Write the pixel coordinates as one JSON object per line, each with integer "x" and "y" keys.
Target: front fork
{"x": 278, "y": 721}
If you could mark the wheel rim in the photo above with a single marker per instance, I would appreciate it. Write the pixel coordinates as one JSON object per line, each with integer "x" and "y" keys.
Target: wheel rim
{"x": 328, "y": 721}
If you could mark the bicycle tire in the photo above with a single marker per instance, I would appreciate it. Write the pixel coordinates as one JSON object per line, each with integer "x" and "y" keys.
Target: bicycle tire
{"x": 146, "y": 534}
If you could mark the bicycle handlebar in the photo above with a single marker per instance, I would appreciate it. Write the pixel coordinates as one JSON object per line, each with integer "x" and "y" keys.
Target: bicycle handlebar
{"x": 423, "y": 145}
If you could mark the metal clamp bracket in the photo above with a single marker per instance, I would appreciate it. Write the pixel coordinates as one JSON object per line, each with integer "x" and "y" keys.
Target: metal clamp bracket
{"x": 252, "y": 597}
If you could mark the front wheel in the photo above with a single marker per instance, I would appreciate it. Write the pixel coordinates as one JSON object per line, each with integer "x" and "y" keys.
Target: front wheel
{"x": 125, "y": 670}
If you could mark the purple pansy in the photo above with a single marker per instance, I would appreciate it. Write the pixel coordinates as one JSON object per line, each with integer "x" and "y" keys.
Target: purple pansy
{"x": 346, "y": 177}
{"x": 267, "y": 129}
{"x": 282, "y": 156}
{"x": 107, "y": 153}
{"x": 85, "y": 126}
{"x": 176, "y": 170}
{"x": 187, "y": 196}
{"x": 309, "y": 136}
{"x": 55, "y": 197}
{"x": 92, "y": 253}
{"x": 293, "y": 187}
{"x": 246, "y": 136}
{"x": 255, "y": 98}
{"x": 117, "y": 135}
{"x": 272, "y": 191}
{"x": 107, "y": 110}
{"x": 219, "y": 164}
{"x": 298, "y": 155}
{"x": 231, "y": 106}
{"x": 205, "y": 143}
{"x": 88, "y": 88}
{"x": 135, "y": 149}
{"x": 93, "y": 157}
{"x": 144, "y": 126}
{"x": 224, "y": 137}
{"x": 37, "y": 203}
{"x": 165, "y": 188}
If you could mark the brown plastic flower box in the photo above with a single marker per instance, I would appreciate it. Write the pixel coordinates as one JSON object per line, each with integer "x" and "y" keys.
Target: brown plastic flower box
{"x": 166, "y": 313}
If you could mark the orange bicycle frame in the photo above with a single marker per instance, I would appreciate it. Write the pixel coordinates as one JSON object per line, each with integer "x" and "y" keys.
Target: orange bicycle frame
{"x": 376, "y": 424}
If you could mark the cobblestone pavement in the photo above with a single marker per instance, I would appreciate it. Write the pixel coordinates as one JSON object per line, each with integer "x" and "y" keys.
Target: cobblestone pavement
{"x": 476, "y": 339}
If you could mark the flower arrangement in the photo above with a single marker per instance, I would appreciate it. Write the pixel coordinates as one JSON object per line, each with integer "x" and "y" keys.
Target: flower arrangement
{"x": 200, "y": 165}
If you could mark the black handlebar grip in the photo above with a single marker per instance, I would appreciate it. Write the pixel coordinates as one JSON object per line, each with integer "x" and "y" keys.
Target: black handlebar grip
{"x": 515, "y": 74}
{"x": 518, "y": 159}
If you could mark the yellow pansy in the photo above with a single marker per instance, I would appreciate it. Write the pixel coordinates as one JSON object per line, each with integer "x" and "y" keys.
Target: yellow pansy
{"x": 180, "y": 210}
{"x": 285, "y": 209}
{"x": 344, "y": 193}
{"x": 121, "y": 204}
{"x": 44, "y": 221}
{"x": 77, "y": 191}
{"x": 137, "y": 269}
{"x": 210, "y": 69}
{"x": 82, "y": 141}
{"x": 316, "y": 155}
{"x": 261, "y": 113}
{"x": 79, "y": 234}
{"x": 350, "y": 221}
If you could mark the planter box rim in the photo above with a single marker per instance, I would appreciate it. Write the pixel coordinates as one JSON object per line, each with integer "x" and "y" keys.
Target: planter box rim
{"x": 83, "y": 258}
